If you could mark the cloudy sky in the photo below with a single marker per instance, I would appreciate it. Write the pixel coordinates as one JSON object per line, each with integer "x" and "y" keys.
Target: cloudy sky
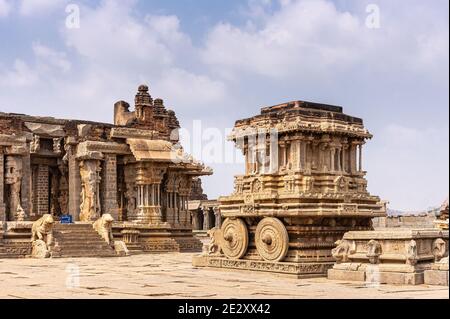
{"x": 218, "y": 61}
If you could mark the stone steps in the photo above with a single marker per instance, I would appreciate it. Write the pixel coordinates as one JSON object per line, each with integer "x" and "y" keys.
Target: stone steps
{"x": 79, "y": 240}
{"x": 2, "y": 249}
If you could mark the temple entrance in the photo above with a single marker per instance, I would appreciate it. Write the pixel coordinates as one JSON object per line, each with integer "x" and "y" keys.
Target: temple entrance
{"x": 49, "y": 186}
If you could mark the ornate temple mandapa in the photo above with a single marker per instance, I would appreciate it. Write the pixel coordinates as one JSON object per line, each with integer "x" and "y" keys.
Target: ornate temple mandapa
{"x": 304, "y": 187}
{"x": 134, "y": 170}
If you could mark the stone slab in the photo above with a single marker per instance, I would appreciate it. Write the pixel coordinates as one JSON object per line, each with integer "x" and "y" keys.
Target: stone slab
{"x": 392, "y": 278}
{"x": 346, "y": 275}
{"x": 436, "y": 277}
{"x": 299, "y": 270}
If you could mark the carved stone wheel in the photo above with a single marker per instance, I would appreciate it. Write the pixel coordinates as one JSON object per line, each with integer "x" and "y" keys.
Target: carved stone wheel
{"x": 272, "y": 239}
{"x": 235, "y": 238}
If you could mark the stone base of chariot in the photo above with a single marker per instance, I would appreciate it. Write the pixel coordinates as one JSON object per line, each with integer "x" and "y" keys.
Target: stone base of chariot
{"x": 296, "y": 270}
{"x": 401, "y": 257}
{"x": 300, "y": 247}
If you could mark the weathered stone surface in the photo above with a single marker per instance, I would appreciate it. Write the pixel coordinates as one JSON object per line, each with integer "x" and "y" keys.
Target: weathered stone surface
{"x": 438, "y": 274}
{"x": 346, "y": 275}
{"x": 171, "y": 275}
{"x": 436, "y": 277}
{"x": 395, "y": 256}
{"x": 46, "y": 129}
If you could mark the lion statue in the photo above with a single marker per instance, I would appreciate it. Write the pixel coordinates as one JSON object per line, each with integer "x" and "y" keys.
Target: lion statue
{"x": 342, "y": 251}
{"x": 42, "y": 229}
{"x": 103, "y": 226}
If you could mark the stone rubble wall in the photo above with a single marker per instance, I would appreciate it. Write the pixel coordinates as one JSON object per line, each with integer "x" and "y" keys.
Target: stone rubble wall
{"x": 405, "y": 221}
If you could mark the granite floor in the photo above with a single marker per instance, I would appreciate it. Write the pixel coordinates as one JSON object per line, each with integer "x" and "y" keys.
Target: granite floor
{"x": 172, "y": 276}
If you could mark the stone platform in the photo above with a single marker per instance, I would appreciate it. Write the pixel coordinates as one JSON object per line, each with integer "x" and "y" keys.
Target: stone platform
{"x": 297, "y": 270}
{"x": 81, "y": 240}
{"x": 15, "y": 239}
{"x": 156, "y": 238}
{"x": 438, "y": 274}
{"x": 400, "y": 256}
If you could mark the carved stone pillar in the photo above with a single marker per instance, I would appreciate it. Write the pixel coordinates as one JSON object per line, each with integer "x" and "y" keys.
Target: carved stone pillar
{"x": 360, "y": 167}
{"x": 206, "y": 219}
{"x": 148, "y": 185}
{"x": 295, "y": 154}
{"x": 218, "y": 217}
{"x": 282, "y": 156}
{"x": 110, "y": 186}
{"x": 324, "y": 157}
{"x": 344, "y": 162}
{"x": 353, "y": 157}
{"x": 26, "y": 188}
{"x": 74, "y": 182}
{"x": 172, "y": 190}
{"x": 332, "y": 159}
{"x": 63, "y": 198}
{"x": 184, "y": 189}
{"x": 13, "y": 178}
{"x": 2, "y": 187}
{"x": 90, "y": 208}
{"x": 309, "y": 155}
{"x": 196, "y": 220}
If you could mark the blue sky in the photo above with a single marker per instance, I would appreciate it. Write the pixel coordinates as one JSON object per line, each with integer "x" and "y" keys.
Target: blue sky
{"x": 218, "y": 61}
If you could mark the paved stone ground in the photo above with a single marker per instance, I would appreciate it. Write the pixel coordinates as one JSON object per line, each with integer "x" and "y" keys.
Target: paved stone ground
{"x": 172, "y": 276}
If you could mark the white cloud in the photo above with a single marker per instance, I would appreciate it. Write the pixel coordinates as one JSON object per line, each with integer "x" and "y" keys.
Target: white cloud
{"x": 315, "y": 37}
{"x": 300, "y": 36}
{"x": 48, "y": 64}
{"x": 190, "y": 90}
{"x": 21, "y": 75}
{"x": 48, "y": 58}
{"x": 110, "y": 35}
{"x": 122, "y": 48}
{"x": 286, "y": 50}
{"x": 166, "y": 28}
{"x": 407, "y": 166}
{"x": 37, "y": 7}
{"x": 5, "y": 8}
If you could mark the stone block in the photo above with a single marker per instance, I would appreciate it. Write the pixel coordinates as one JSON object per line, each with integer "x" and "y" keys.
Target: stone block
{"x": 346, "y": 275}
{"x": 436, "y": 277}
{"x": 200, "y": 261}
{"x": 395, "y": 278}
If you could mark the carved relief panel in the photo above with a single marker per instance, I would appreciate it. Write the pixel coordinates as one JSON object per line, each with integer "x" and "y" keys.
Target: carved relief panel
{"x": 90, "y": 190}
